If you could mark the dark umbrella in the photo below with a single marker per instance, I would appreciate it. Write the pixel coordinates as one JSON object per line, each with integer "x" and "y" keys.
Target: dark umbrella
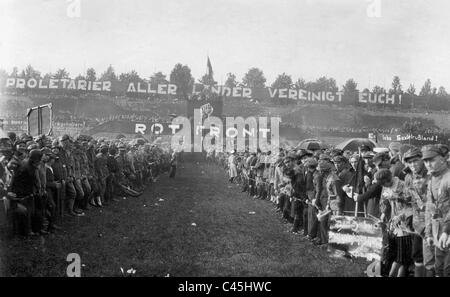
{"x": 310, "y": 144}
{"x": 354, "y": 143}
{"x": 120, "y": 136}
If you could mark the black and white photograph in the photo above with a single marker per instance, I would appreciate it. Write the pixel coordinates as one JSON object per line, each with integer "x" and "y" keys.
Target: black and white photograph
{"x": 224, "y": 144}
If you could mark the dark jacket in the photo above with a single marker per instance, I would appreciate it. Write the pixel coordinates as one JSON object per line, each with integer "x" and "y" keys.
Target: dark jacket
{"x": 112, "y": 164}
{"x": 397, "y": 168}
{"x": 298, "y": 182}
{"x": 58, "y": 170}
{"x": 372, "y": 199}
{"x": 24, "y": 181}
{"x": 51, "y": 184}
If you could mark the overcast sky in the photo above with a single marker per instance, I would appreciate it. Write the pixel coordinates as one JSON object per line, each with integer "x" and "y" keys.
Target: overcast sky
{"x": 304, "y": 38}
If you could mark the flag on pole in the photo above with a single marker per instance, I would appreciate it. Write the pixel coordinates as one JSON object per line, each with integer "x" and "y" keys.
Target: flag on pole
{"x": 358, "y": 182}
{"x": 209, "y": 70}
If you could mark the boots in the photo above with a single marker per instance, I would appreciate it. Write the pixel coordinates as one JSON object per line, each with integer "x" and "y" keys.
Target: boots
{"x": 430, "y": 273}
{"x": 99, "y": 201}
{"x": 419, "y": 271}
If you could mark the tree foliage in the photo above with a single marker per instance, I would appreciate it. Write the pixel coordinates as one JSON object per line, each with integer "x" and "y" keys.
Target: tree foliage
{"x": 207, "y": 80}
{"x": 131, "y": 76}
{"x": 442, "y": 92}
{"x": 231, "y": 80}
{"x": 91, "y": 74}
{"x": 300, "y": 83}
{"x": 325, "y": 84}
{"x": 109, "y": 74}
{"x": 30, "y": 72}
{"x": 426, "y": 88}
{"x": 3, "y": 73}
{"x": 80, "y": 77}
{"x": 14, "y": 72}
{"x": 411, "y": 89}
{"x": 350, "y": 86}
{"x": 182, "y": 77}
{"x": 396, "y": 86}
{"x": 158, "y": 78}
{"x": 283, "y": 81}
{"x": 61, "y": 73}
{"x": 254, "y": 78}
{"x": 378, "y": 90}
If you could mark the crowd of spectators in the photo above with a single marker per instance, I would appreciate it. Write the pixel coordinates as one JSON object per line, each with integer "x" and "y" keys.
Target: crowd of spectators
{"x": 404, "y": 190}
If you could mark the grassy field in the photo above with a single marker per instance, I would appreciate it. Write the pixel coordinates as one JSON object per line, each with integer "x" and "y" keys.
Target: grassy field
{"x": 193, "y": 225}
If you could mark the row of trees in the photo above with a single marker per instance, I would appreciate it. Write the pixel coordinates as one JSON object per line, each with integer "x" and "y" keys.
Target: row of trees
{"x": 254, "y": 78}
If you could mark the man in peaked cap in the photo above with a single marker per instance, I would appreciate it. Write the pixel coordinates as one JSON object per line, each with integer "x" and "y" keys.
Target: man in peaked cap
{"x": 67, "y": 159}
{"x": 437, "y": 211}
{"x": 446, "y": 152}
{"x": 81, "y": 198}
{"x": 416, "y": 184}
{"x": 24, "y": 187}
{"x": 86, "y": 173}
{"x": 310, "y": 221}
{"x": 322, "y": 198}
{"x": 251, "y": 163}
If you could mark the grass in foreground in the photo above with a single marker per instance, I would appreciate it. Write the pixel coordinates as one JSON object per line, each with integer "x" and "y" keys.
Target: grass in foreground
{"x": 157, "y": 238}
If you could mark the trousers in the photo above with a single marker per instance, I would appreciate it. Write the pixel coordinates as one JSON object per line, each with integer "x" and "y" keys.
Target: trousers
{"x": 442, "y": 262}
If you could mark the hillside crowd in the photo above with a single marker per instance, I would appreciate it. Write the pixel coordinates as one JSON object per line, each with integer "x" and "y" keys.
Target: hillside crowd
{"x": 44, "y": 179}
{"x": 404, "y": 189}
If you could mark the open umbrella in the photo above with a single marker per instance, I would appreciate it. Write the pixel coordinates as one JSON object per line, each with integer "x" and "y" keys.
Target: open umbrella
{"x": 310, "y": 144}
{"x": 138, "y": 141}
{"x": 354, "y": 143}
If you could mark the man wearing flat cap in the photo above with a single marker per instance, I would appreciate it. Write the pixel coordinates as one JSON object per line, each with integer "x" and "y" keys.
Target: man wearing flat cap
{"x": 52, "y": 188}
{"x": 299, "y": 193}
{"x": 416, "y": 183}
{"x": 345, "y": 176}
{"x": 437, "y": 211}
{"x": 310, "y": 212}
{"x": 67, "y": 160}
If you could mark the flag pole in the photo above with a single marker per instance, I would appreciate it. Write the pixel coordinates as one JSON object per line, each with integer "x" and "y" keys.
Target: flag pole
{"x": 356, "y": 182}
